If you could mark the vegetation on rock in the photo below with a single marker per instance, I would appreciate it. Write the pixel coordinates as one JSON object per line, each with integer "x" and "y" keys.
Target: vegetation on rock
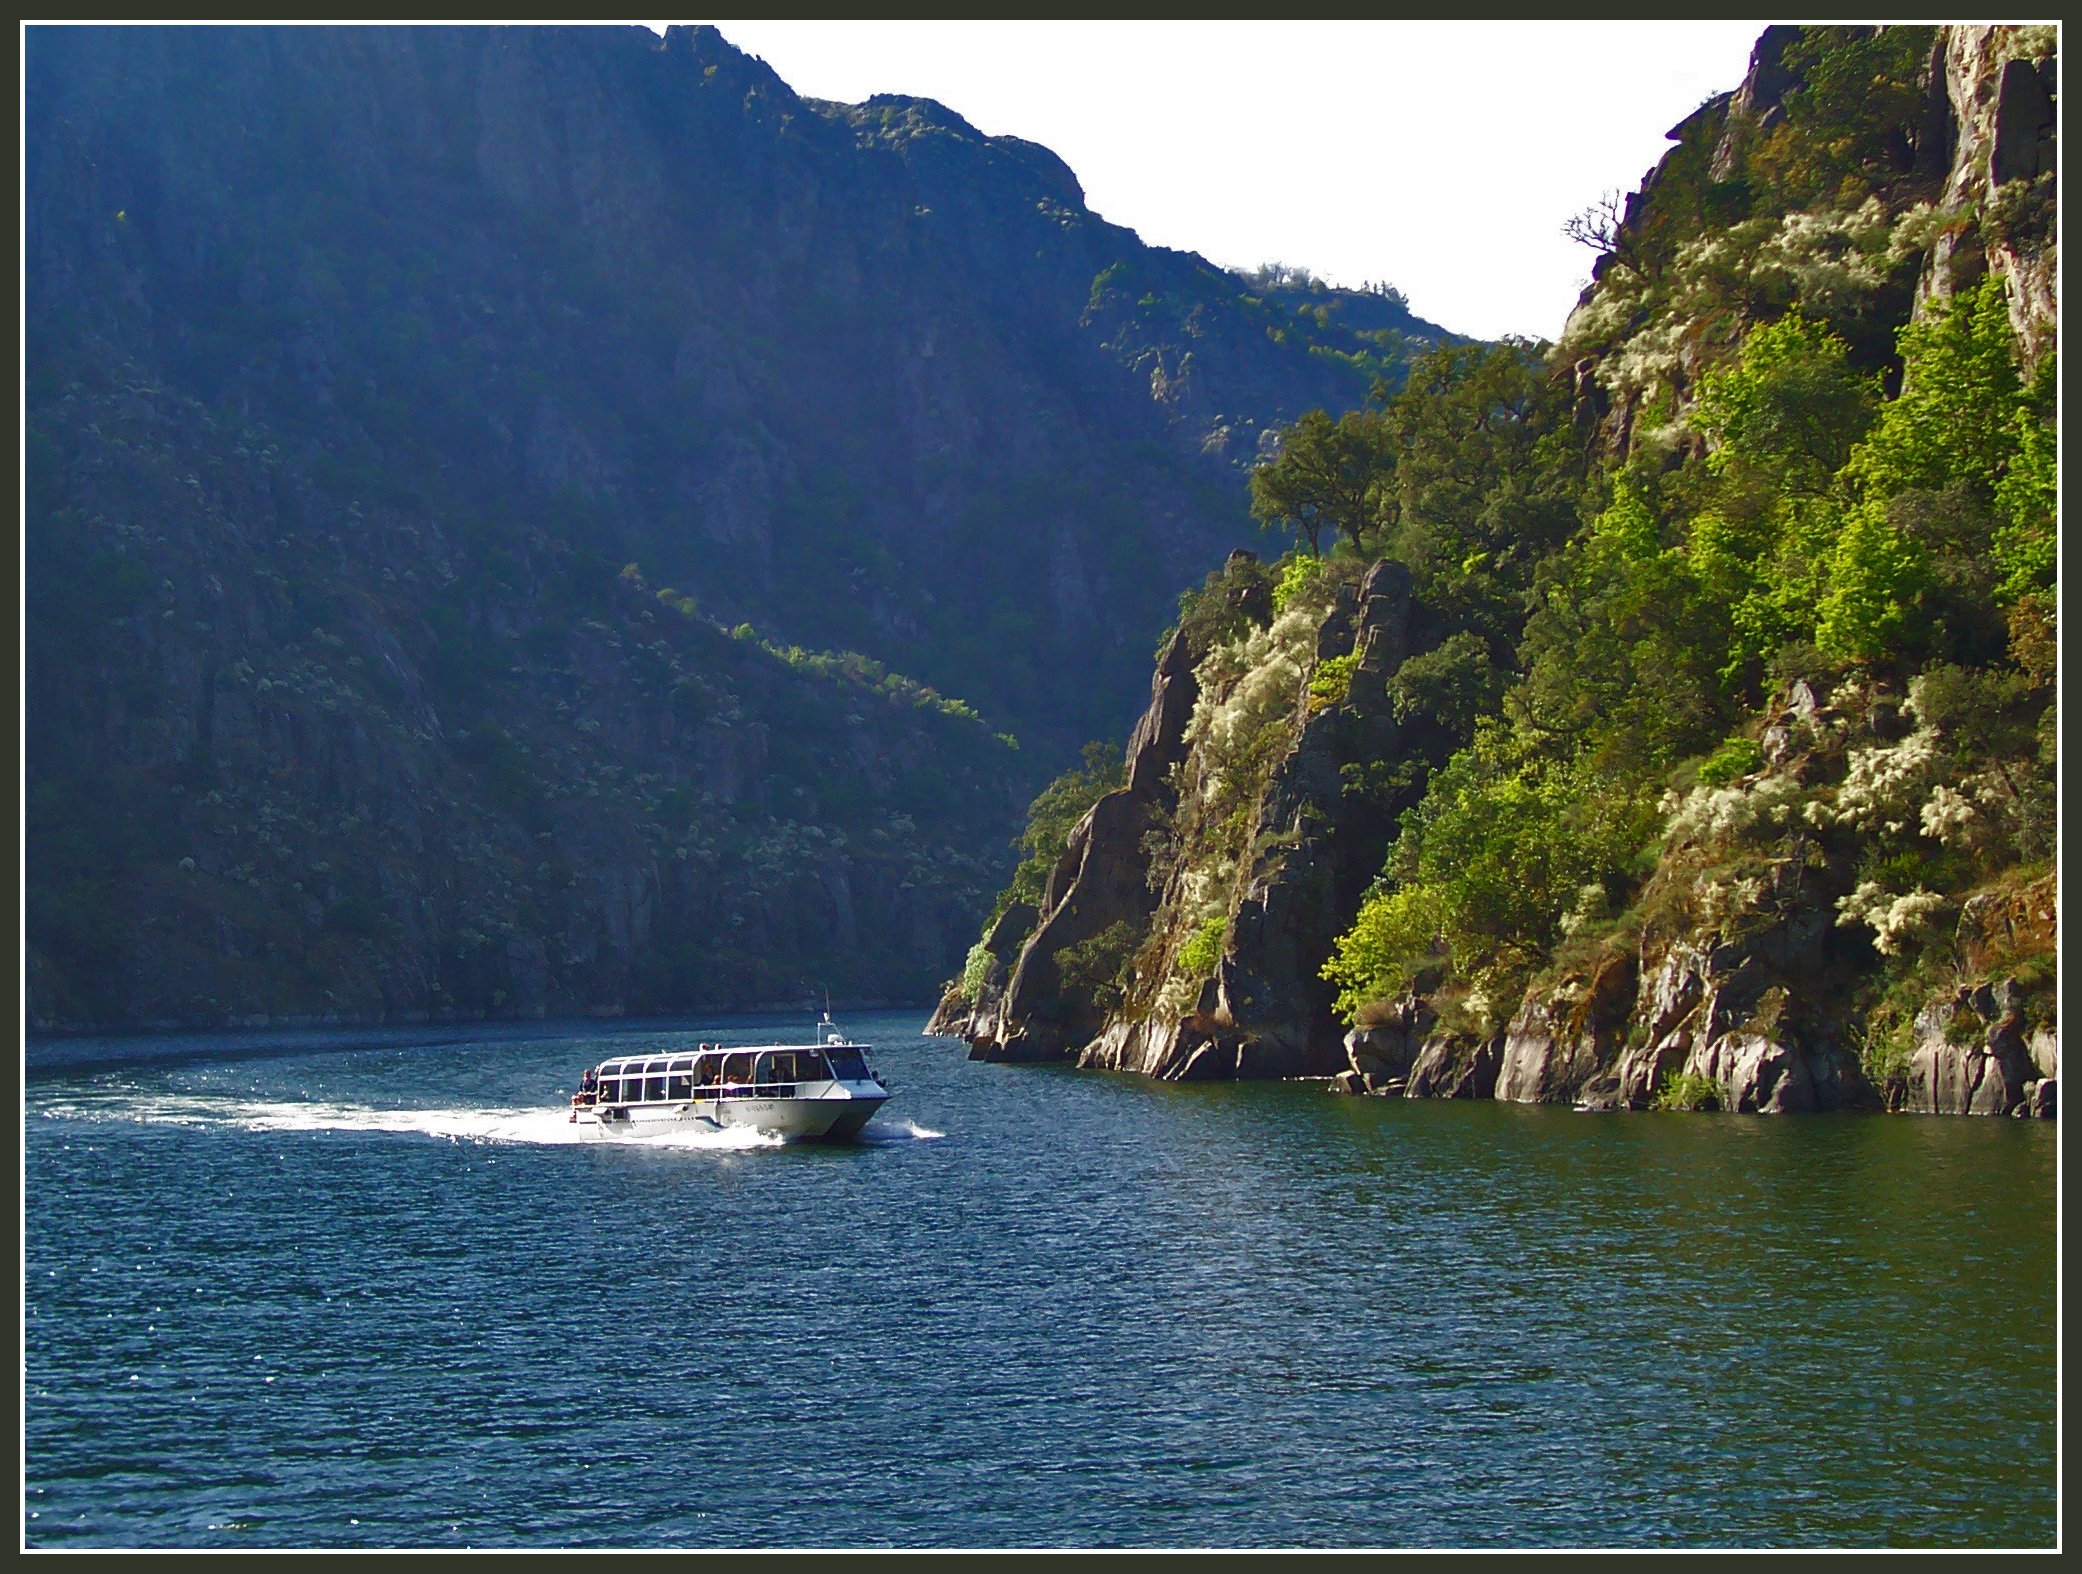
{"x": 1722, "y": 701}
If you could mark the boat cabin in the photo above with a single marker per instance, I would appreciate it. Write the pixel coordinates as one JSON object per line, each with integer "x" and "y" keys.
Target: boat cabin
{"x": 717, "y": 1073}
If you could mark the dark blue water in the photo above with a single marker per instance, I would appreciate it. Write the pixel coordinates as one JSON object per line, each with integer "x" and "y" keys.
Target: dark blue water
{"x": 383, "y": 1296}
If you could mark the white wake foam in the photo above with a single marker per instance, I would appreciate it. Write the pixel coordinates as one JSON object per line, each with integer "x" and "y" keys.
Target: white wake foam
{"x": 542, "y": 1127}
{"x": 880, "y": 1130}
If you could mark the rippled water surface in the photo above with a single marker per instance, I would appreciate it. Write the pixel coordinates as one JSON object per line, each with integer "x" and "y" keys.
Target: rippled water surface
{"x": 385, "y": 1294}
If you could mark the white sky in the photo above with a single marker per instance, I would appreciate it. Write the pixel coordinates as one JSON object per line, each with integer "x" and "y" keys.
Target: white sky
{"x": 1439, "y": 156}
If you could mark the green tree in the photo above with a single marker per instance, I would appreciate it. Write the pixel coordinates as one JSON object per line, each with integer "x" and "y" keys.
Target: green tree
{"x": 1956, "y": 417}
{"x": 2026, "y": 545}
{"x": 1325, "y": 475}
{"x": 1487, "y": 867}
{"x": 1621, "y": 649}
{"x": 1789, "y": 410}
{"x": 1453, "y": 685}
{"x": 1955, "y": 427}
{"x": 1487, "y": 472}
{"x": 1875, "y": 574}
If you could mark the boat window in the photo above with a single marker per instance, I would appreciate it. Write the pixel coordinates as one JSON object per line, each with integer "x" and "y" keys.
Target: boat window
{"x": 707, "y": 1069}
{"x": 682, "y": 1065}
{"x": 847, "y": 1063}
{"x": 610, "y": 1090}
{"x": 654, "y": 1088}
{"x": 682, "y": 1086}
{"x": 737, "y": 1068}
{"x": 810, "y": 1066}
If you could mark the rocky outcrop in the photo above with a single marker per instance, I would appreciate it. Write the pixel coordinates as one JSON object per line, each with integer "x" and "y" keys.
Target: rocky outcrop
{"x": 1407, "y": 1051}
{"x": 1380, "y": 1056}
{"x": 1729, "y": 1014}
{"x": 1263, "y": 1009}
{"x": 1456, "y": 1066}
{"x": 2016, "y": 922}
{"x": 1099, "y": 882}
{"x": 1322, "y": 850}
{"x": 2002, "y": 126}
{"x": 965, "y": 1014}
{"x": 1565, "y": 1034}
{"x": 1973, "y": 1055}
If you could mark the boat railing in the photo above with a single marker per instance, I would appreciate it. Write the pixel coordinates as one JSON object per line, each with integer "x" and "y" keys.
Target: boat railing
{"x": 702, "y": 1092}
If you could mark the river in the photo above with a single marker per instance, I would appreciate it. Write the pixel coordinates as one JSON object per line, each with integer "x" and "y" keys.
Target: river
{"x": 375, "y": 1291}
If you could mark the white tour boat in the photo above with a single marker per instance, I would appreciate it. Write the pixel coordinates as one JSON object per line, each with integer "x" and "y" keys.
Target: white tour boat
{"x": 826, "y": 1089}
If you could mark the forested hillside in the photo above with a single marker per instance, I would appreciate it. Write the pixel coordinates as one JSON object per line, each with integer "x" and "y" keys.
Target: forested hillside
{"x": 1661, "y": 715}
{"x": 549, "y": 519}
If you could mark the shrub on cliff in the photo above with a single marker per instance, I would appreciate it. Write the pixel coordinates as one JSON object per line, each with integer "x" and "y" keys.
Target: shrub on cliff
{"x": 1198, "y": 956}
{"x": 1235, "y": 598}
{"x": 1487, "y": 868}
{"x": 1685, "y": 1091}
{"x": 1053, "y": 814}
{"x": 1092, "y": 969}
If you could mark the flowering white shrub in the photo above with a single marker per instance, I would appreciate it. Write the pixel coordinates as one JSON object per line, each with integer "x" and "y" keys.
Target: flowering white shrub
{"x": 1828, "y": 259}
{"x": 1980, "y": 807}
{"x": 1883, "y": 784}
{"x": 1590, "y": 905}
{"x": 1831, "y": 259}
{"x": 1606, "y": 314}
{"x": 1947, "y": 814}
{"x": 1719, "y": 814}
{"x": 1893, "y": 919}
{"x": 1247, "y": 685}
{"x": 1916, "y": 229}
{"x": 1718, "y": 902}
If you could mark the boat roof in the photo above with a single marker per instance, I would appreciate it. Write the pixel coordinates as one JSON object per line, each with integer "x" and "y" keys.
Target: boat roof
{"x": 712, "y": 1050}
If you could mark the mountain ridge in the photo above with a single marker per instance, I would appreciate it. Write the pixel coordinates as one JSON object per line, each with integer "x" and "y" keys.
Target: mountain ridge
{"x": 393, "y": 392}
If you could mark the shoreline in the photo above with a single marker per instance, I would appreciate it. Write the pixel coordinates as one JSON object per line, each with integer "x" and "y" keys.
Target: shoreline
{"x": 260, "y": 1021}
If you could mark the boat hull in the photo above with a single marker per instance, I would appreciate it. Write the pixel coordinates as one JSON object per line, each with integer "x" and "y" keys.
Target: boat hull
{"x": 832, "y": 1117}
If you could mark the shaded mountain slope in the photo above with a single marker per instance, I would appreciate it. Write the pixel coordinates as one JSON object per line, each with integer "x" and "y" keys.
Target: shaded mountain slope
{"x": 461, "y": 459}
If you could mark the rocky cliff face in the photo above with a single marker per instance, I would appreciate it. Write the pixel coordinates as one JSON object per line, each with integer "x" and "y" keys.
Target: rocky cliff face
{"x": 2000, "y": 87}
{"x": 1739, "y": 976}
{"x": 1235, "y": 831}
{"x": 360, "y": 363}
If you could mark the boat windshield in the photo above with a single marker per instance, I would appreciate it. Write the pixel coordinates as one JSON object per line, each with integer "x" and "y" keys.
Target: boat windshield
{"x": 848, "y": 1064}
